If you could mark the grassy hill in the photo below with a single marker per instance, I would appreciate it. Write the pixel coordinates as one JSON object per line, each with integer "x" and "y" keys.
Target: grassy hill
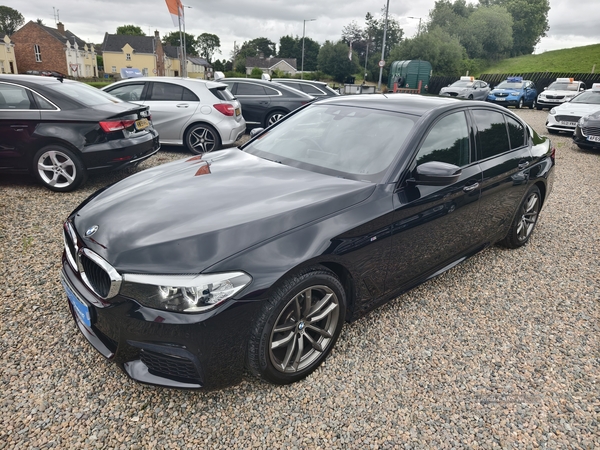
{"x": 576, "y": 60}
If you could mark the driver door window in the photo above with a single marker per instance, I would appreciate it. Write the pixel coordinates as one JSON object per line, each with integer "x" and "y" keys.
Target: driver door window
{"x": 447, "y": 141}
{"x": 128, "y": 92}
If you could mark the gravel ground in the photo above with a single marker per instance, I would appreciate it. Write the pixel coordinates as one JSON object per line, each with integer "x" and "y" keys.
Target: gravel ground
{"x": 499, "y": 352}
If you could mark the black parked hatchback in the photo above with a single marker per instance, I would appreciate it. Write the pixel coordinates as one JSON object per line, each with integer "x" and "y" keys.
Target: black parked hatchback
{"x": 338, "y": 208}
{"x": 59, "y": 130}
{"x": 265, "y": 102}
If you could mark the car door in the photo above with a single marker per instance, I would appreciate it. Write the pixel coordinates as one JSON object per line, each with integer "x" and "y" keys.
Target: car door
{"x": 255, "y": 101}
{"x": 19, "y": 117}
{"x": 504, "y": 156}
{"x": 435, "y": 225}
{"x": 530, "y": 92}
{"x": 172, "y": 106}
{"x": 481, "y": 92}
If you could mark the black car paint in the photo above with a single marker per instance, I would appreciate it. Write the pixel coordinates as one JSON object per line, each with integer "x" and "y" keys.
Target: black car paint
{"x": 75, "y": 126}
{"x": 372, "y": 235}
{"x": 592, "y": 125}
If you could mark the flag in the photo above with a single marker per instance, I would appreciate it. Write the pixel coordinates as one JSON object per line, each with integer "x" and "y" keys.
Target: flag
{"x": 350, "y": 52}
{"x": 176, "y": 10}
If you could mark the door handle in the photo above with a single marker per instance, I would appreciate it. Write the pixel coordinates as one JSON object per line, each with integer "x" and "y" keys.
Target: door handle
{"x": 18, "y": 127}
{"x": 183, "y": 105}
{"x": 523, "y": 164}
{"x": 471, "y": 187}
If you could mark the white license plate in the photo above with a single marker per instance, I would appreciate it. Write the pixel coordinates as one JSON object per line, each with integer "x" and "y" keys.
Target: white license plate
{"x": 568, "y": 124}
{"x": 81, "y": 309}
{"x": 498, "y": 99}
{"x": 594, "y": 138}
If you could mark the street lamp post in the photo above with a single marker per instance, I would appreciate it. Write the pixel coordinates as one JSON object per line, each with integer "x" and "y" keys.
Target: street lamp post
{"x": 303, "y": 34}
{"x": 418, "y": 29}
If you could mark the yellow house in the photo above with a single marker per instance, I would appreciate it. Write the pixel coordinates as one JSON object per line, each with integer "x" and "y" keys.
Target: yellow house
{"x": 138, "y": 52}
{"x": 172, "y": 61}
{"x": 8, "y": 63}
{"x": 199, "y": 68}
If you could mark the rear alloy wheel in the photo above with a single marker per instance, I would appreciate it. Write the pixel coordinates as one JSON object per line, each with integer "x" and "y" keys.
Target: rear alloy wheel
{"x": 525, "y": 220}
{"x": 471, "y": 97}
{"x": 202, "y": 138}
{"x": 297, "y": 327}
{"x": 58, "y": 168}
{"x": 274, "y": 117}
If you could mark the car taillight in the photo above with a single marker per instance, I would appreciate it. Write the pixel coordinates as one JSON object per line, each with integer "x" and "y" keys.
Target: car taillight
{"x": 553, "y": 154}
{"x": 116, "y": 125}
{"x": 224, "y": 108}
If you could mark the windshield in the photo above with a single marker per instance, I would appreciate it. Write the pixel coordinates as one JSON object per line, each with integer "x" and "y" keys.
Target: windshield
{"x": 562, "y": 86}
{"x": 84, "y": 94}
{"x": 462, "y": 84}
{"x": 344, "y": 141}
{"x": 511, "y": 85}
{"x": 590, "y": 97}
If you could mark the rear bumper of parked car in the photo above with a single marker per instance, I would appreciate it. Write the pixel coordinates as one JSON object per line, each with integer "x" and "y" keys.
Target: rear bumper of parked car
{"x": 120, "y": 153}
{"x": 231, "y": 131}
{"x": 164, "y": 348}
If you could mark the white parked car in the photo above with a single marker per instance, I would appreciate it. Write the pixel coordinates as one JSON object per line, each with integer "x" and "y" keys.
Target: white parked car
{"x": 562, "y": 90}
{"x": 201, "y": 115}
{"x": 566, "y": 116}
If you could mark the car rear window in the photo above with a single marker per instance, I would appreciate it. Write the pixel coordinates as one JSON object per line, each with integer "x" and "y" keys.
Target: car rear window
{"x": 222, "y": 93}
{"x": 84, "y": 94}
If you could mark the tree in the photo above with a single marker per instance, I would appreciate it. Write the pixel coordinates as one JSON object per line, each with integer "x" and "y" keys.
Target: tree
{"x": 290, "y": 47}
{"x": 256, "y": 73}
{"x": 40, "y": 22}
{"x": 333, "y": 60}
{"x": 208, "y": 44}
{"x": 444, "y": 52}
{"x": 130, "y": 30}
{"x": 10, "y": 20}
{"x": 488, "y": 33}
{"x": 190, "y": 42}
{"x": 256, "y": 47}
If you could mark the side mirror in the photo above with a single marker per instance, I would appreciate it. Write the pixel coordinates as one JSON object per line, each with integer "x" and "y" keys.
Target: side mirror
{"x": 545, "y": 88}
{"x": 255, "y": 132}
{"x": 436, "y": 173}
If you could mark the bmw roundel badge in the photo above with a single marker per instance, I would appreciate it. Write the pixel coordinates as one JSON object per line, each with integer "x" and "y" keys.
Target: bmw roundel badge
{"x": 91, "y": 231}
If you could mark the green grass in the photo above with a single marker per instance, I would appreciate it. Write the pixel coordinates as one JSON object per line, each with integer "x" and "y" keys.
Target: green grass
{"x": 99, "y": 84}
{"x": 575, "y": 60}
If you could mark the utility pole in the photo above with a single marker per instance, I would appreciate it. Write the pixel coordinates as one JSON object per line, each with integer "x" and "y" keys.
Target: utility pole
{"x": 303, "y": 34}
{"x": 387, "y": 7}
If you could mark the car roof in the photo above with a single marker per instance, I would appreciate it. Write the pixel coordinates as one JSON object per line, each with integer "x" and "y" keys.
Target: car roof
{"x": 34, "y": 80}
{"x": 268, "y": 83}
{"x": 190, "y": 82}
{"x": 417, "y": 105}
{"x": 294, "y": 80}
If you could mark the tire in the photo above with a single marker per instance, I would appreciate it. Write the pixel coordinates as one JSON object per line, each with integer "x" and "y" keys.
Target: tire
{"x": 202, "y": 138}
{"x": 538, "y": 107}
{"x": 552, "y": 131}
{"x": 286, "y": 342}
{"x": 520, "y": 104}
{"x": 273, "y": 117}
{"x": 533, "y": 104}
{"x": 471, "y": 97}
{"x": 525, "y": 220}
{"x": 59, "y": 169}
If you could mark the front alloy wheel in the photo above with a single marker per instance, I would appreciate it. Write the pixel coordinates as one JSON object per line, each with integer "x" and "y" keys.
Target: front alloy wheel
{"x": 274, "y": 117}
{"x": 520, "y": 105}
{"x": 297, "y": 327}
{"x": 525, "y": 220}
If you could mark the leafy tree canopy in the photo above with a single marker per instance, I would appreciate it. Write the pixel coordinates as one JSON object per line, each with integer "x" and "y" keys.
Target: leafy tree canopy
{"x": 10, "y": 20}
{"x": 291, "y": 47}
{"x": 130, "y": 30}
{"x": 255, "y": 47}
{"x": 191, "y": 45}
{"x": 333, "y": 60}
{"x": 208, "y": 45}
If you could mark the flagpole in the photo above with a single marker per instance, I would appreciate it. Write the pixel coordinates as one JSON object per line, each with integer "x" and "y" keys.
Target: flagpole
{"x": 184, "y": 68}
{"x": 180, "y": 47}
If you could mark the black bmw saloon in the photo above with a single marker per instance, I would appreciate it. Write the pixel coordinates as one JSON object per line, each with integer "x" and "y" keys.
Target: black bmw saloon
{"x": 254, "y": 257}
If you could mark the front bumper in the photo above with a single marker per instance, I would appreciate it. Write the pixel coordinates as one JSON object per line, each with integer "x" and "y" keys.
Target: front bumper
{"x": 562, "y": 123}
{"x": 586, "y": 141}
{"x": 503, "y": 101}
{"x": 545, "y": 103}
{"x": 187, "y": 351}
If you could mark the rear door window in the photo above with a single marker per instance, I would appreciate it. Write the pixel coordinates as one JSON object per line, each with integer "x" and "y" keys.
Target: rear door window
{"x": 13, "y": 97}
{"x": 492, "y": 138}
{"x": 250, "y": 89}
{"x": 311, "y": 90}
{"x": 167, "y": 92}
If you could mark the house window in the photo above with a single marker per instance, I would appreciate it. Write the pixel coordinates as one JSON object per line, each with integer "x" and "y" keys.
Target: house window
{"x": 128, "y": 56}
{"x": 114, "y": 69}
{"x": 145, "y": 71}
{"x": 2, "y": 67}
{"x": 38, "y": 55}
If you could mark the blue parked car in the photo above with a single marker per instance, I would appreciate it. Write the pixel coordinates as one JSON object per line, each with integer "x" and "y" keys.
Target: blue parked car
{"x": 514, "y": 91}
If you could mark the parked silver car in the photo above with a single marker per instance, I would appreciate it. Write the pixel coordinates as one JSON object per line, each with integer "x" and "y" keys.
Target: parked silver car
{"x": 467, "y": 87}
{"x": 201, "y": 115}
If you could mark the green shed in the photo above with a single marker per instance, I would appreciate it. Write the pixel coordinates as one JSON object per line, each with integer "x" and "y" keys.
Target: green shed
{"x": 408, "y": 74}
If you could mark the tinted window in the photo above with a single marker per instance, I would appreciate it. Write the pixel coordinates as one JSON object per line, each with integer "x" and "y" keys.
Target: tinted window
{"x": 292, "y": 85}
{"x": 491, "y": 133}
{"x": 128, "y": 92}
{"x": 516, "y": 133}
{"x": 165, "y": 92}
{"x": 447, "y": 141}
{"x": 84, "y": 94}
{"x": 311, "y": 89}
{"x": 250, "y": 89}
{"x": 222, "y": 93}
{"x": 13, "y": 97}
{"x": 270, "y": 91}
{"x": 189, "y": 96}
{"x": 42, "y": 103}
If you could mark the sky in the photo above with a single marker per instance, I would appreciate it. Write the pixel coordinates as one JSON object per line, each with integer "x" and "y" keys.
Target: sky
{"x": 243, "y": 20}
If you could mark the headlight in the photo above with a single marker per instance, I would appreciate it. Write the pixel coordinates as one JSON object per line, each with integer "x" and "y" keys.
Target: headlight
{"x": 553, "y": 111}
{"x": 183, "y": 293}
{"x": 581, "y": 121}
{"x": 514, "y": 93}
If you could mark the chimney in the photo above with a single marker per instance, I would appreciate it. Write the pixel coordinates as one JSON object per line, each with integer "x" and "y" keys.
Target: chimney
{"x": 61, "y": 28}
{"x": 156, "y": 34}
